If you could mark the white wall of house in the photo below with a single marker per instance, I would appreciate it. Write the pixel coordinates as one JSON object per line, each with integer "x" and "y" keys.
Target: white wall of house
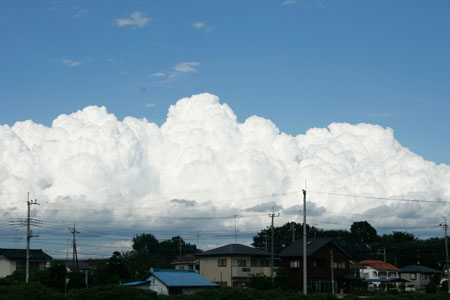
{"x": 158, "y": 286}
{"x": 7, "y": 267}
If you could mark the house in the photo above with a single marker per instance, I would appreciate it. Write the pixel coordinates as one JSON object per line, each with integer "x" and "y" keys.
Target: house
{"x": 170, "y": 281}
{"x": 320, "y": 253}
{"x": 187, "y": 262}
{"x": 418, "y": 276}
{"x": 377, "y": 272}
{"x": 82, "y": 266}
{"x": 233, "y": 264}
{"x": 15, "y": 259}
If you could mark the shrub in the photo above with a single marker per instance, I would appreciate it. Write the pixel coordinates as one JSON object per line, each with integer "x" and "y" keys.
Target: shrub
{"x": 30, "y": 291}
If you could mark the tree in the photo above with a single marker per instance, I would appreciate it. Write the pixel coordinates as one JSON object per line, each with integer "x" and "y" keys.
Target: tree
{"x": 146, "y": 242}
{"x": 363, "y": 232}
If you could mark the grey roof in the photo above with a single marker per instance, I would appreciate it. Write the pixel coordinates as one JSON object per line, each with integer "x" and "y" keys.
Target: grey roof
{"x": 81, "y": 265}
{"x": 313, "y": 245}
{"x": 35, "y": 254}
{"x": 187, "y": 259}
{"x": 234, "y": 249}
{"x": 418, "y": 269}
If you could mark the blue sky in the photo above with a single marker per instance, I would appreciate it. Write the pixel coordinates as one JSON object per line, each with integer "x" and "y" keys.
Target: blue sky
{"x": 301, "y": 64}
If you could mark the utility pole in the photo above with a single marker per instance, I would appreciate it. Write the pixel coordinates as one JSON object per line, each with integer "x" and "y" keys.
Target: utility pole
{"x": 29, "y": 236}
{"x": 179, "y": 245}
{"x": 235, "y": 230}
{"x": 272, "y": 215}
{"x": 266, "y": 243}
{"x": 332, "y": 271}
{"x": 446, "y": 253}
{"x": 74, "y": 232}
{"x": 293, "y": 232}
{"x": 305, "y": 291}
{"x": 198, "y": 237}
{"x": 382, "y": 251}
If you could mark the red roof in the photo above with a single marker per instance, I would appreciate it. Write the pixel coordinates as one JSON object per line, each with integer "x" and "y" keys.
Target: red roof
{"x": 379, "y": 265}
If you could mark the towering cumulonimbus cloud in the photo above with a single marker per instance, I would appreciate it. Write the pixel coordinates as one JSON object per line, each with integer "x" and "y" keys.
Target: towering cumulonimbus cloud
{"x": 201, "y": 158}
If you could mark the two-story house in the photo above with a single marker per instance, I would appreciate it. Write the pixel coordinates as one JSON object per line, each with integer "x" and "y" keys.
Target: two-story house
{"x": 327, "y": 264}
{"x": 377, "y": 272}
{"x": 418, "y": 276}
{"x": 233, "y": 264}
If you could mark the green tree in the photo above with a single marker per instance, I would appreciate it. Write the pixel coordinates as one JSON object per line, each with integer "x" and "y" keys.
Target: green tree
{"x": 146, "y": 242}
{"x": 363, "y": 232}
{"x": 57, "y": 273}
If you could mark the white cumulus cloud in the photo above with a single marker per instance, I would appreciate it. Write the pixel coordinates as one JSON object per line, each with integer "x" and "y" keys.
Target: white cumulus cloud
{"x": 185, "y": 67}
{"x": 71, "y": 63}
{"x": 137, "y": 18}
{"x": 203, "y": 162}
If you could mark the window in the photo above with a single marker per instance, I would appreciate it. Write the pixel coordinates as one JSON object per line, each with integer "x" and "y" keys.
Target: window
{"x": 222, "y": 262}
{"x": 294, "y": 264}
{"x": 339, "y": 265}
{"x": 374, "y": 274}
{"x": 241, "y": 263}
{"x": 392, "y": 274}
{"x": 413, "y": 276}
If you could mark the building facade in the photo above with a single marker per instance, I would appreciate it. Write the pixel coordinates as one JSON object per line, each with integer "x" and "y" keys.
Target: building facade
{"x": 233, "y": 264}
{"x": 327, "y": 264}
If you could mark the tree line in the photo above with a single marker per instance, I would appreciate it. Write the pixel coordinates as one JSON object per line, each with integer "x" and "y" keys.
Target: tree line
{"x": 363, "y": 242}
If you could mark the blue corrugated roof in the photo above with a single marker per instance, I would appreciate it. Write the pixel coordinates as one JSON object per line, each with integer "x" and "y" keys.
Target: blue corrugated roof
{"x": 173, "y": 278}
{"x": 134, "y": 283}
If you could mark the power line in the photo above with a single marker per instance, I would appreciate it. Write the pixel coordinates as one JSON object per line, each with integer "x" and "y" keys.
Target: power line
{"x": 381, "y": 198}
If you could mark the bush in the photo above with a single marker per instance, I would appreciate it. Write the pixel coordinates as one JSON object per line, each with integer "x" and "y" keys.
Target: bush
{"x": 260, "y": 282}
{"x": 30, "y": 291}
{"x": 111, "y": 292}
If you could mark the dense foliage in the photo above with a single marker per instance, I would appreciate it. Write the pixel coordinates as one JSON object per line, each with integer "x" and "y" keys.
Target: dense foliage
{"x": 34, "y": 291}
{"x": 363, "y": 242}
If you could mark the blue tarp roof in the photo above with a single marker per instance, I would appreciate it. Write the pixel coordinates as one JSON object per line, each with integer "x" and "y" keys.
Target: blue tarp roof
{"x": 134, "y": 283}
{"x": 378, "y": 280}
{"x": 178, "y": 278}
{"x": 386, "y": 280}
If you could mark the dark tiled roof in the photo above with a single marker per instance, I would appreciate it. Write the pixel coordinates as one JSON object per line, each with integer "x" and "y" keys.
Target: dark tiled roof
{"x": 35, "y": 254}
{"x": 312, "y": 246}
{"x": 419, "y": 269}
{"x": 234, "y": 249}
